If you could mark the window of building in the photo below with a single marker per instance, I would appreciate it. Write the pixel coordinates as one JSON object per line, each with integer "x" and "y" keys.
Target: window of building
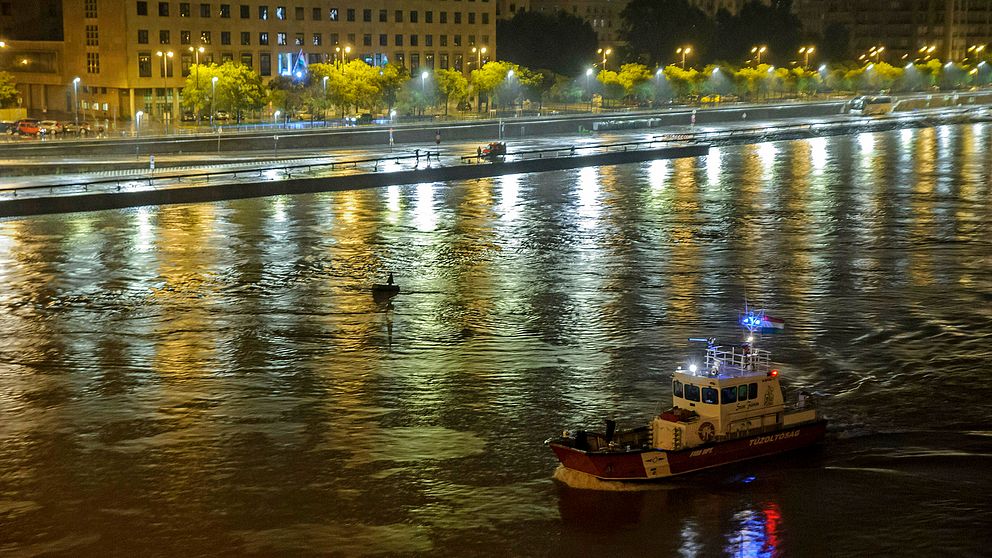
{"x": 246, "y": 38}
{"x": 315, "y": 15}
{"x": 458, "y": 40}
{"x": 367, "y": 39}
{"x": 414, "y": 40}
{"x": 400, "y": 59}
{"x": 263, "y": 38}
{"x": 204, "y": 10}
{"x": 245, "y": 11}
{"x": 444, "y": 40}
{"x": 225, "y": 37}
{"x": 351, "y": 38}
{"x": 184, "y": 9}
{"x": 163, "y": 37}
{"x": 413, "y": 16}
{"x": 382, "y": 16}
{"x": 163, "y": 9}
{"x": 334, "y": 38}
{"x": 485, "y": 18}
{"x": 263, "y": 13}
{"x": 332, "y": 14}
{"x": 383, "y": 39}
{"x": 246, "y": 59}
{"x": 226, "y": 57}
{"x": 92, "y": 62}
{"x": 429, "y": 60}
{"x": 225, "y": 11}
{"x": 471, "y": 40}
{"x": 300, "y": 13}
{"x": 142, "y": 36}
{"x": 89, "y": 9}
{"x": 205, "y": 37}
{"x": 318, "y": 39}
{"x": 398, "y": 16}
{"x": 692, "y": 392}
{"x": 398, "y": 39}
{"x": 414, "y": 62}
{"x": 459, "y": 62}
{"x": 458, "y": 17}
{"x": 265, "y": 64}
{"x": 142, "y": 8}
{"x": 728, "y": 395}
{"x": 428, "y": 17}
{"x": 471, "y": 18}
{"x": 281, "y": 12}
{"x": 429, "y": 40}
{"x": 144, "y": 64}
{"x": 443, "y": 58}
{"x": 298, "y": 40}
{"x": 351, "y": 14}
{"x": 280, "y": 38}
{"x": 444, "y": 17}
{"x": 92, "y": 36}
{"x": 185, "y": 37}
{"x": 367, "y": 15}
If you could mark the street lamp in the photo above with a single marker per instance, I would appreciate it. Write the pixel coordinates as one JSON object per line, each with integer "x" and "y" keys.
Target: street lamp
{"x": 605, "y": 53}
{"x": 806, "y": 51}
{"x": 165, "y": 77}
{"x": 323, "y": 104}
{"x": 213, "y": 93}
{"x": 196, "y": 52}
{"x": 75, "y": 101}
{"x": 757, "y": 51}
{"x": 589, "y": 86}
{"x": 275, "y": 117}
{"x": 137, "y": 126}
{"x": 479, "y": 51}
{"x": 683, "y": 51}
{"x": 876, "y": 51}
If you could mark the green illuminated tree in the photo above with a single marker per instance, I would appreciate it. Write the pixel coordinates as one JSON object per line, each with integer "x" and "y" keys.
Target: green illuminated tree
{"x": 8, "y": 93}
{"x": 452, "y": 85}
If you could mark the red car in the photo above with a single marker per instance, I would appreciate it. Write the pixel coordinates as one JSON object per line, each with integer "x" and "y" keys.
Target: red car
{"x": 27, "y": 127}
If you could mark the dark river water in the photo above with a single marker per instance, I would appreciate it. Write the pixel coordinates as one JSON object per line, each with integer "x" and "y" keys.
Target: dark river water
{"x": 217, "y": 380}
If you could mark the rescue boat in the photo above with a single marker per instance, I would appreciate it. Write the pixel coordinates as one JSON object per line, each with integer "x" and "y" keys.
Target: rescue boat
{"x": 730, "y": 409}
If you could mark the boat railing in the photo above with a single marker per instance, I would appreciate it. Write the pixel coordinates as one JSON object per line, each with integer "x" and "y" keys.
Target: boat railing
{"x": 742, "y": 358}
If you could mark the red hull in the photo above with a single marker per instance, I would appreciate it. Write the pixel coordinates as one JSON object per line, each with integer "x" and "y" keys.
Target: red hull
{"x": 647, "y": 464}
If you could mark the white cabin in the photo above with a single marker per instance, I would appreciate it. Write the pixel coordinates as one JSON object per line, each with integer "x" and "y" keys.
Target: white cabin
{"x": 735, "y": 394}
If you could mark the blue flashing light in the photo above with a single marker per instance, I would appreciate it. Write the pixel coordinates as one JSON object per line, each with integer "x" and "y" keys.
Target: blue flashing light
{"x": 749, "y": 479}
{"x": 751, "y": 321}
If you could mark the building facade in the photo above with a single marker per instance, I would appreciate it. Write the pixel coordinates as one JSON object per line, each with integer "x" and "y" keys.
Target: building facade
{"x": 134, "y": 55}
{"x": 602, "y": 15}
{"x": 904, "y": 27}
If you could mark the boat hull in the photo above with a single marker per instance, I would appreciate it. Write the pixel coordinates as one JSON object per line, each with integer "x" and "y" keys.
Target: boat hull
{"x": 652, "y": 463}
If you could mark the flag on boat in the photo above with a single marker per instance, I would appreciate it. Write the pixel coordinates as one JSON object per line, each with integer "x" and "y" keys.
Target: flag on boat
{"x": 771, "y": 325}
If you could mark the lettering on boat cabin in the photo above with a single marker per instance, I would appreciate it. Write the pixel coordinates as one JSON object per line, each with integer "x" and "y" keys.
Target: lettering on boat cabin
{"x": 766, "y": 439}
{"x": 698, "y": 453}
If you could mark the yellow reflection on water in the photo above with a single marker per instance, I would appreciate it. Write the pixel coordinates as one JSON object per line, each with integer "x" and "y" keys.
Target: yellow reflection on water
{"x": 921, "y": 207}
{"x": 713, "y": 164}
{"x": 509, "y": 189}
{"x": 425, "y": 218}
{"x": 658, "y": 173}
{"x": 588, "y": 192}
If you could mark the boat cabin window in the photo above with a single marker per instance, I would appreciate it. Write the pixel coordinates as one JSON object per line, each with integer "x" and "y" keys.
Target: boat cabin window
{"x": 710, "y": 395}
{"x": 742, "y": 392}
{"x": 692, "y": 392}
{"x": 677, "y": 388}
{"x": 729, "y": 395}
{"x": 752, "y": 391}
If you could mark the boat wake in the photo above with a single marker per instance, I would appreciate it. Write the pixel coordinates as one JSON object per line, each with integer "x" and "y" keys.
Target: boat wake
{"x": 585, "y": 481}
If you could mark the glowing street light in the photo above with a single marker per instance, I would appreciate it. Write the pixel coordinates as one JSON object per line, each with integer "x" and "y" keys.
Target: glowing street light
{"x": 75, "y": 100}
{"x": 683, "y": 51}
{"x": 137, "y": 125}
{"x": 605, "y": 53}
{"x": 757, "y": 51}
{"x": 806, "y": 51}
{"x": 275, "y": 117}
{"x": 479, "y": 51}
{"x": 876, "y": 51}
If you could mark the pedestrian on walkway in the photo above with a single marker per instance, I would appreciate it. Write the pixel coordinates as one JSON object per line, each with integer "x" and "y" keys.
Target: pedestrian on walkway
{"x": 437, "y": 138}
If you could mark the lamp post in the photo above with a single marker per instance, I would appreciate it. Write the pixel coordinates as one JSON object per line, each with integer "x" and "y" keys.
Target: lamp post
{"x": 683, "y": 51}
{"x": 323, "y": 104}
{"x": 137, "y": 124}
{"x": 165, "y": 77}
{"x": 213, "y": 93}
{"x": 876, "y": 51}
{"x": 75, "y": 101}
{"x": 589, "y": 86}
{"x": 423, "y": 89}
{"x": 275, "y": 117}
{"x": 806, "y": 51}
{"x": 605, "y": 53}
{"x": 757, "y": 51}
{"x": 479, "y": 52}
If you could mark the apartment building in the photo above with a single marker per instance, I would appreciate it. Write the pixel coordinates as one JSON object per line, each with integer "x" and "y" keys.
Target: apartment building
{"x": 905, "y": 26}
{"x": 602, "y": 15}
{"x": 134, "y": 55}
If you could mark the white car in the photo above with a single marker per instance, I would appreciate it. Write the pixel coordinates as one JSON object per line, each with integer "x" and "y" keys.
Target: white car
{"x": 49, "y": 127}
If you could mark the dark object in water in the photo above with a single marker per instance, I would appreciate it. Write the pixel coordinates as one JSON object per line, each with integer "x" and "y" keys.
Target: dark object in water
{"x": 384, "y": 292}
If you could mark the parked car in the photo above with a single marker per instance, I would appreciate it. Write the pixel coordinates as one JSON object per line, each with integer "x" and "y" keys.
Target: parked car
{"x": 7, "y": 128}
{"x": 27, "y": 127}
{"x": 221, "y": 115}
{"x": 83, "y": 128}
{"x": 188, "y": 117}
{"x": 50, "y": 127}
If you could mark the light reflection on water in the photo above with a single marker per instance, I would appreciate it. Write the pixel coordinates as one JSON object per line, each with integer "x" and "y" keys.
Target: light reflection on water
{"x": 201, "y": 378}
